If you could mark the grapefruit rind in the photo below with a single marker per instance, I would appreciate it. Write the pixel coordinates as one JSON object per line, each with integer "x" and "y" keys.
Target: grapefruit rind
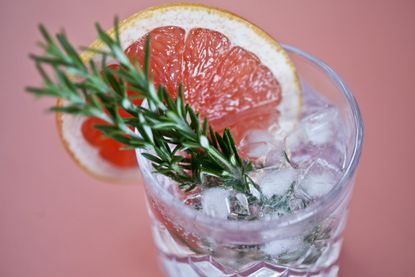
{"x": 187, "y": 16}
{"x": 87, "y": 156}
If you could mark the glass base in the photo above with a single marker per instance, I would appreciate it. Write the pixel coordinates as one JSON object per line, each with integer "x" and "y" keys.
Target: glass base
{"x": 206, "y": 266}
{"x": 180, "y": 261}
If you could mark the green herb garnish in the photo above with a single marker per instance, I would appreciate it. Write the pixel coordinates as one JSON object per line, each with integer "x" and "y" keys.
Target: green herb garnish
{"x": 178, "y": 142}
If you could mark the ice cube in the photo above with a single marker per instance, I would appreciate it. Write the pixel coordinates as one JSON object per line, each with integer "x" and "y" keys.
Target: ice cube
{"x": 276, "y": 156}
{"x": 317, "y": 185}
{"x": 315, "y": 133}
{"x": 297, "y": 204}
{"x": 261, "y": 147}
{"x": 313, "y": 101}
{"x": 335, "y": 154}
{"x": 319, "y": 127}
{"x": 277, "y": 181}
{"x": 215, "y": 202}
{"x": 239, "y": 206}
{"x": 242, "y": 200}
{"x": 256, "y": 150}
{"x": 264, "y": 154}
{"x": 283, "y": 246}
{"x": 254, "y": 136}
{"x": 318, "y": 179}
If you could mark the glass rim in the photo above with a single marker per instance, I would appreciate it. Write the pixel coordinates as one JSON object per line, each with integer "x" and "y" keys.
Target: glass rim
{"x": 299, "y": 216}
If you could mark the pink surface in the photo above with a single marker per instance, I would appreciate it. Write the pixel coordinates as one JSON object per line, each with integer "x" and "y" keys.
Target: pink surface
{"x": 57, "y": 221}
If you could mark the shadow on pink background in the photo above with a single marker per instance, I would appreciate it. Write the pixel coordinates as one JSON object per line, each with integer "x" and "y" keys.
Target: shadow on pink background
{"x": 57, "y": 221}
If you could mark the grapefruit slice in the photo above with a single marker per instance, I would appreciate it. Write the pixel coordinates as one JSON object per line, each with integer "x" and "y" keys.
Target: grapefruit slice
{"x": 232, "y": 71}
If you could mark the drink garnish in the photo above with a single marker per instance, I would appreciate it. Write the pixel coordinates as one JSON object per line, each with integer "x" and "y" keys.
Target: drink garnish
{"x": 176, "y": 140}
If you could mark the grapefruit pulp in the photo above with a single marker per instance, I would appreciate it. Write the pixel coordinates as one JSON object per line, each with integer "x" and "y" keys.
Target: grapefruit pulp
{"x": 232, "y": 73}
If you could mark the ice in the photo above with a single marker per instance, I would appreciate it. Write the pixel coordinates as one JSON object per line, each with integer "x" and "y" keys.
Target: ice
{"x": 315, "y": 136}
{"x": 257, "y": 150}
{"x": 227, "y": 204}
{"x": 276, "y": 181}
{"x": 280, "y": 247}
{"x": 215, "y": 202}
{"x": 316, "y": 128}
{"x": 239, "y": 207}
{"x": 257, "y": 135}
{"x": 264, "y": 154}
{"x": 258, "y": 144}
{"x": 317, "y": 185}
{"x": 298, "y": 203}
{"x": 313, "y": 102}
{"x": 278, "y": 186}
{"x": 318, "y": 179}
{"x": 290, "y": 171}
{"x": 276, "y": 156}
{"x": 242, "y": 200}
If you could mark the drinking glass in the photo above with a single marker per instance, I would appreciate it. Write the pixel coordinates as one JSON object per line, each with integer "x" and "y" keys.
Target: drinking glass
{"x": 306, "y": 242}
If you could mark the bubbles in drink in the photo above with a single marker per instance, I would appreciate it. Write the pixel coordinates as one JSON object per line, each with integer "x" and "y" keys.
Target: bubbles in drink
{"x": 291, "y": 171}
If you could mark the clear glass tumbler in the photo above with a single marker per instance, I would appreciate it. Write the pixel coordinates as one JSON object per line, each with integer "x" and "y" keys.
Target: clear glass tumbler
{"x": 308, "y": 241}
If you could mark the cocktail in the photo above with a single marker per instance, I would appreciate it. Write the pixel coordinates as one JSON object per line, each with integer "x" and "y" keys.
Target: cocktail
{"x": 297, "y": 231}
{"x": 259, "y": 188}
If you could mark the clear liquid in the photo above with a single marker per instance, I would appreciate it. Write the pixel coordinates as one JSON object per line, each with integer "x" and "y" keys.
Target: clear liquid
{"x": 292, "y": 171}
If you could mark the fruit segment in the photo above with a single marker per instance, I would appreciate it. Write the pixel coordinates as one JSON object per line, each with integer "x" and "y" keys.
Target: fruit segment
{"x": 167, "y": 45}
{"x": 109, "y": 149}
{"x": 204, "y": 51}
{"x": 240, "y": 83}
{"x": 224, "y": 83}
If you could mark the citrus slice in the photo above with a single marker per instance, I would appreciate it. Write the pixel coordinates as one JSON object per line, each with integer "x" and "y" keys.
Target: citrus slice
{"x": 232, "y": 71}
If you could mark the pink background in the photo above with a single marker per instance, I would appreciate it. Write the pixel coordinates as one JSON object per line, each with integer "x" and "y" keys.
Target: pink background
{"x": 57, "y": 221}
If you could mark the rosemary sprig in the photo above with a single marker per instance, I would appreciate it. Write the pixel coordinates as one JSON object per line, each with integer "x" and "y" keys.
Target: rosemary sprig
{"x": 178, "y": 143}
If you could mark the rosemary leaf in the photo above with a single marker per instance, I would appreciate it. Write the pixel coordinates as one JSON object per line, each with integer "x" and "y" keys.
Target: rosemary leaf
{"x": 177, "y": 142}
